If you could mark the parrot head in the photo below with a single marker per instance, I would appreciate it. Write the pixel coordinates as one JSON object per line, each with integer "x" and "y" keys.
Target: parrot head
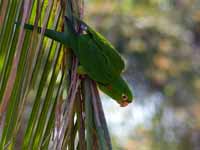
{"x": 118, "y": 90}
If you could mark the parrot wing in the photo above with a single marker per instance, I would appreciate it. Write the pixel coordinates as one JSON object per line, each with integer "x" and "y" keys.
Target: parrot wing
{"x": 96, "y": 63}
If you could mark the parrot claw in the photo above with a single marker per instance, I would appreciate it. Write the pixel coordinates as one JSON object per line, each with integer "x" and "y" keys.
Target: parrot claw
{"x": 82, "y": 77}
{"x": 83, "y": 27}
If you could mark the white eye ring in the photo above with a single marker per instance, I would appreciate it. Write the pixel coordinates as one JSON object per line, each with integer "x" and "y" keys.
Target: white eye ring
{"x": 124, "y": 97}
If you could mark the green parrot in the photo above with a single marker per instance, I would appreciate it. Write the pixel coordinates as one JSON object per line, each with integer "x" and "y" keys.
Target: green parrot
{"x": 99, "y": 59}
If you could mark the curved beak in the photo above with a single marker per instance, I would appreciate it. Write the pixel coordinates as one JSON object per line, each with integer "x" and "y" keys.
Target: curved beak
{"x": 124, "y": 103}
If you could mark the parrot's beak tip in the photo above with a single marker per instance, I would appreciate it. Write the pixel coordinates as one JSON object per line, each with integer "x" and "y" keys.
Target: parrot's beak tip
{"x": 124, "y": 104}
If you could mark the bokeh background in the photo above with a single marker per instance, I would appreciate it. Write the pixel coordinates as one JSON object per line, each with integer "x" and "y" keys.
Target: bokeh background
{"x": 160, "y": 40}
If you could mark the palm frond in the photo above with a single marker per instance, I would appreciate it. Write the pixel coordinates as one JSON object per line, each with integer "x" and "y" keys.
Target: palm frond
{"x": 42, "y": 98}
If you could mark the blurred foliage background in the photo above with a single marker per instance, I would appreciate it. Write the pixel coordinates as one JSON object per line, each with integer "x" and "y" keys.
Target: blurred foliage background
{"x": 160, "y": 40}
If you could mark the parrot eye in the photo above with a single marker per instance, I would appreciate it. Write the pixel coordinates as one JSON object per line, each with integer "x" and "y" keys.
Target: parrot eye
{"x": 124, "y": 97}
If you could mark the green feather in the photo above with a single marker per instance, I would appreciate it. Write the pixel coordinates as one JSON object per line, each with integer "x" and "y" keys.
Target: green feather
{"x": 97, "y": 56}
{"x": 55, "y": 35}
{"x": 105, "y": 46}
{"x": 118, "y": 90}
